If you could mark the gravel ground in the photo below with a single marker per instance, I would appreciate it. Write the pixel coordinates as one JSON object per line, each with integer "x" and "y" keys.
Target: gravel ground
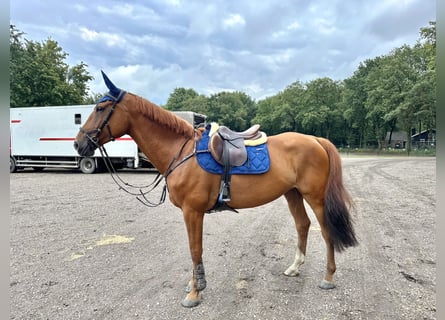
{"x": 80, "y": 248}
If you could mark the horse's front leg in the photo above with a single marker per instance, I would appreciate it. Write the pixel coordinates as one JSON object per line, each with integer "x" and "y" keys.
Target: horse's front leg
{"x": 194, "y": 223}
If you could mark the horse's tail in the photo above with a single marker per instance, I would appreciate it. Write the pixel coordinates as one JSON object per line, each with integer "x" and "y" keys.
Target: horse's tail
{"x": 337, "y": 202}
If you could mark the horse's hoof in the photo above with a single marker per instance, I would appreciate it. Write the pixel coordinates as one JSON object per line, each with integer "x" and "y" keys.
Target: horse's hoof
{"x": 291, "y": 272}
{"x": 326, "y": 285}
{"x": 190, "y": 303}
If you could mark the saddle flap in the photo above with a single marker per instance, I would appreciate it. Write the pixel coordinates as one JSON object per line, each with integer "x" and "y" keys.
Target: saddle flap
{"x": 216, "y": 148}
{"x": 234, "y": 150}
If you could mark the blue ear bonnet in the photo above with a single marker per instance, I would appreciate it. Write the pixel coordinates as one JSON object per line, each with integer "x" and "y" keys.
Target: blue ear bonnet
{"x": 115, "y": 94}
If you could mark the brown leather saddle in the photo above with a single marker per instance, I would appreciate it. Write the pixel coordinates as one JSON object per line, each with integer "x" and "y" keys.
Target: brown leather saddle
{"x": 228, "y": 148}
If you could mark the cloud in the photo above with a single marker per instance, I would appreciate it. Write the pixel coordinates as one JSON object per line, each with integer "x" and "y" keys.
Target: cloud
{"x": 396, "y": 18}
{"x": 234, "y": 20}
{"x": 152, "y": 47}
{"x": 108, "y": 39}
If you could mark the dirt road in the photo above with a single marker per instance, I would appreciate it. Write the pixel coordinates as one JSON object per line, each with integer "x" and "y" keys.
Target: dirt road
{"x": 82, "y": 249}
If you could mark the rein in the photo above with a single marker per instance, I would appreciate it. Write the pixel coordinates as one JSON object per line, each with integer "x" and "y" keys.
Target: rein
{"x": 93, "y": 135}
{"x": 141, "y": 195}
{"x": 170, "y": 167}
{"x": 125, "y": 186}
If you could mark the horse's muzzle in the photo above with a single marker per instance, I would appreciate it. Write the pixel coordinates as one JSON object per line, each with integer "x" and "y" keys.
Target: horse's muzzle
{"x": 84, "y": 149}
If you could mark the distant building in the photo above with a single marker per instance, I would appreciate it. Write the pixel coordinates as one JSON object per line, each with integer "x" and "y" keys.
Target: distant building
{"x": 424, "y": 139}
{"x": 399, "y": 139}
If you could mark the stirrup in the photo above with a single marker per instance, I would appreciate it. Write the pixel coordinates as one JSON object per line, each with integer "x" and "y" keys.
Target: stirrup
{"x": 225, "y": 192}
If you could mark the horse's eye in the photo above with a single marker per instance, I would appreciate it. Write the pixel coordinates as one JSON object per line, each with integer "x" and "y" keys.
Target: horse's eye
{"x": 99, "y": 109}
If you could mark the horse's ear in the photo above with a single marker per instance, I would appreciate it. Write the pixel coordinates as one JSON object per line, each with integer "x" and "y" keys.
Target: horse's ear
{"x": 113, "y": 89}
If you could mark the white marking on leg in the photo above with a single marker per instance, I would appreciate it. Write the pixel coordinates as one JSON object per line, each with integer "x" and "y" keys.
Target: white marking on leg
{"x": 294, "y": 269}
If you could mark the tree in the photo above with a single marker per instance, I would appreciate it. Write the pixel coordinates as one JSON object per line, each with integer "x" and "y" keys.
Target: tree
{"x": 283, "y": 111}
{"x": 376, "y": 103}
{"x": 39, "y": 76}
{"x": 405, "y": 61}
{"x": 265, "y": 115}
{"x": 179, "y": 98}
{"x": 322, "y": 114}
{"x": 275, "y": 115}
{"x": 396, "y": 91}
{"x": 401, "y": 90}
{"x": 232, "y": 109}
{"x": 423, "y": 94}
{"x": 182, "y": 99}
{"x": 292, "y": 107}
{"x": 353, "y": 100}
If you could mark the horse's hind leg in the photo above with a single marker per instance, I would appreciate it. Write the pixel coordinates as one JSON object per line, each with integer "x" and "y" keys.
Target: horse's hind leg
{"x": 302, "y": 224}
{"x": 317, "y": 206}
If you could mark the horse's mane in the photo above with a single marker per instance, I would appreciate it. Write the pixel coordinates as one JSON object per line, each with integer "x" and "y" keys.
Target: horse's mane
{"x": 163, "y": 117}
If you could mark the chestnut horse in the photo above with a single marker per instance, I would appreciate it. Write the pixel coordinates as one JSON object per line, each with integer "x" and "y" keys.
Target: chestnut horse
{"x": 301, "y": 167}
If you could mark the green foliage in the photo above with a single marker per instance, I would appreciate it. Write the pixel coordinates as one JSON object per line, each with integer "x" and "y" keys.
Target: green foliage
{"x": 268, "y": 116}
{"x": 280, "y": 113}
{"x": 232, "y": 109}
{"x": 392, "y": 92}
{"x": 388, "y": 93}
{"x": 182, "y": 99}
{"x": 322, "y": 108}
{"x": 353, "y": 104}
{"x": 40, "y": 77}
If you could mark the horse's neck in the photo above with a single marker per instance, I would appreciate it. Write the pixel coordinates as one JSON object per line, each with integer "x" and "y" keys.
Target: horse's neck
{"x": 160, "y": 145}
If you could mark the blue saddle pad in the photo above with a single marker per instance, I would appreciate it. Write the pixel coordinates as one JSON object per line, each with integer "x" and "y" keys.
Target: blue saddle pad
{"x": 258, "y": 160}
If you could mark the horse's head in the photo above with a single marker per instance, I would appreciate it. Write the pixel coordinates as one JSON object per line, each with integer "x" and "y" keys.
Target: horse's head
{"x": 104, "y": 124}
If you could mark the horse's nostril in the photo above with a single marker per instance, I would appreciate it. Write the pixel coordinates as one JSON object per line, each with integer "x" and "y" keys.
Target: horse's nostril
{"x": 75, "y": 145}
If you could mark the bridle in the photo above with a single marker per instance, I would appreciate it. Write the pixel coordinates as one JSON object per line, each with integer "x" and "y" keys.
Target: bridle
{"x": 93, "y": 136}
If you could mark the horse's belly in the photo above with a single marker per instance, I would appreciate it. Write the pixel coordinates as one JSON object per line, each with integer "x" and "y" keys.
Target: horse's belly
{"x": 249, "y": 191}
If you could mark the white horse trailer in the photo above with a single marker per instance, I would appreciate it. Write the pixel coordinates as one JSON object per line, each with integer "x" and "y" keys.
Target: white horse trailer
{"x": 42, "y": 137}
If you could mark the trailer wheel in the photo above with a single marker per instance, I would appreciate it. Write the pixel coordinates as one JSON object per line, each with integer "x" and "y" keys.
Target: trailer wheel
{"x": 12, "y": 164}
{"x": 87, "y": 165}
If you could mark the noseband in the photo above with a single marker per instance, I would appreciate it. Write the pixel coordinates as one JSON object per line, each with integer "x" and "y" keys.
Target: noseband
{"x": 93, "y": 135}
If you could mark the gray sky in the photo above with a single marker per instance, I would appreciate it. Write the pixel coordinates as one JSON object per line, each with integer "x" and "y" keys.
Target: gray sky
{"x": 257, "y": 47}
